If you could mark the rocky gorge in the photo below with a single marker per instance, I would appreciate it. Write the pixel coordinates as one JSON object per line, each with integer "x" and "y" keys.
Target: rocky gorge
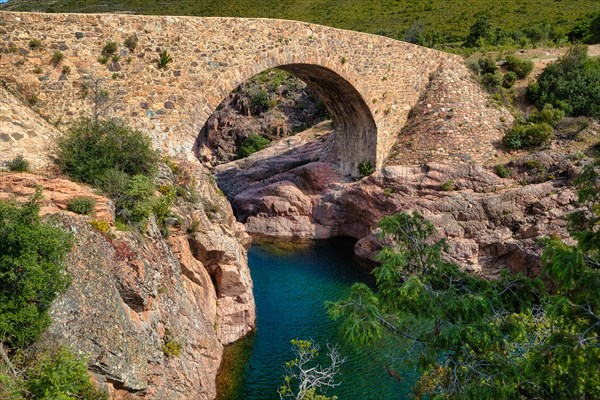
{"x": 138, "y": 298}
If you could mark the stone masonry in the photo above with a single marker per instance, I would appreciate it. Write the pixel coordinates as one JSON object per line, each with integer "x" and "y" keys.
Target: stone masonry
{"x": 369, "y": 83}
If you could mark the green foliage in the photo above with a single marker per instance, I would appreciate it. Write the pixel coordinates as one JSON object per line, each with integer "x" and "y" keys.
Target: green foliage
{"x": 253, "y": 143}
{"x": 492, "y": 82}
{"x": 101, "y": 225}
{"x": 171, "y": 348}
{"x": 365, "y": 168}
{"x": 57, "y": 58}
{"x": 535, "y": 165}
{"x": 480, "y": 31}
{"x": 109, "y": 48}
{"x": 528, "y": 136}
{"x": 522, "y": 68}
{"x": 501, "y": 171}
{"x": 18, "y": 164}
{"x": 92, "y": 149}
{"x": 118, "y": 160}
{"x": 164, "y": 59}
{"x": 487, "y": 65}
{"x": 535, "y": 131}
{"x": 586, "y": 30}
{"x": 571, "y": 84}
{"x": 32, "y": 256}
{"x": 260, "y": 101}
{"x": 447, "y": 186}
{"x": 131, "y": 42}
{"x": 60, "y": 375}
{"x": 81, "y": 205}
{"x": 136, "y": 203}
{"x": 548, "y": 115}
{"x": 161, "y": 206}
{"x": 35, "y": 44}
{"x": 508, "y": 338}
{"x": 514, "y": 23}
{"x": 509, "y": 79}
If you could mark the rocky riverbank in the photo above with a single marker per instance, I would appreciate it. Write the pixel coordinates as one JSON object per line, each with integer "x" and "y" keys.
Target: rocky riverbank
{"x": 292, "y": 190}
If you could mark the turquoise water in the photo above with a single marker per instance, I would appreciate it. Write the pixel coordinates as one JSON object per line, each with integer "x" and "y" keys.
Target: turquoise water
{"x": 290, "y": 289}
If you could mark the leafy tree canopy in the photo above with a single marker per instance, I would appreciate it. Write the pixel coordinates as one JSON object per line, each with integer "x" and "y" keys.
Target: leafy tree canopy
{"x": 32, "y": 255}
{"x": 515, "y": 337}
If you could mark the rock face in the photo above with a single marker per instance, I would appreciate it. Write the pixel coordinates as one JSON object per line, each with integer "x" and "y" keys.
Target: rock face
{"x": 133, "y": 294}
{"x": 491, "y": 223}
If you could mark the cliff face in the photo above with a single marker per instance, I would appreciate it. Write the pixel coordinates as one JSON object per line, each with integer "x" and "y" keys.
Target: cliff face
{"x": 136, "y": 300}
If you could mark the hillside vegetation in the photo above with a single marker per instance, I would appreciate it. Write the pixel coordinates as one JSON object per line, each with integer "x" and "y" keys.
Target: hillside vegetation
{"x": 450, "y": 19}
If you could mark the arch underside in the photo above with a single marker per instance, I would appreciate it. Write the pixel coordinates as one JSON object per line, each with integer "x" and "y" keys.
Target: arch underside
{"x": 355, "y": 132}
{"x": 355, "y": 136}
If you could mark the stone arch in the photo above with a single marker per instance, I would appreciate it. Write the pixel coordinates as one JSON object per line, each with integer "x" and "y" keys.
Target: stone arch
{"x": 355, "y": 136}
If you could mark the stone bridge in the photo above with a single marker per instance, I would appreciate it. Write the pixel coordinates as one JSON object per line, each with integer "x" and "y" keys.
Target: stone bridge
{"x": 368, "y": 83}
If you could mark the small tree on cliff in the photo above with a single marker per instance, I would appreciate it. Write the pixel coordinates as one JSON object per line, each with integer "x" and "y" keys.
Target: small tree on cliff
{"x": 509, "y": 338}
{"x": 304, "y": 377}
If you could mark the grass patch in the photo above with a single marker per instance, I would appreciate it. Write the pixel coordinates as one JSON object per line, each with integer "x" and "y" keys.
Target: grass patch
{"x": 437, "y": 21}
{"x": 81, "y": 205}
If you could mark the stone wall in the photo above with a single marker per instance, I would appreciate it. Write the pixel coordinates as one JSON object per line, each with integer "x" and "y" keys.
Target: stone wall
{"x": 369, "y": 83}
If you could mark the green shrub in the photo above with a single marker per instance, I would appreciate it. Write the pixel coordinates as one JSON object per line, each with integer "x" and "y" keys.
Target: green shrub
{"x": 171, "y": 348}
{"x": 57, "y": 58}
{"x": 522, "y": 68}
{"x": 66, "y": 70}
{"x": 136, "y": 203}
{"x": 587, "y": 30}
{"x": 487, "y": 65}
{"x": 260, "y": 101}
{"x": 365, "y": 168}
{"x": 492, "y": 82}
{"x": 103, "y": 59}
{"x": 60, "y": 375}
{"x": 480, "y": 31}
{"x": 448, "y": 186}
{"x": 548, "y": 115}
{"x": 253, "y": 143}
{"x": 131, "y": 42}
{"x": 509, "y": 79}
{"x": 473, "y": 66}
{"x": 18, "y": 164}
{"x": 32, "y": 256}
{"x": 35, "y": 44}
{"x": 527, "y": 136}
{"x": 92, "y": 149}
{"x": 161, "y": 206}
{"x": 109, "y": 48}
{"x": 535, "y": 165}
{"x": 101, "y": 225}
{"x": 571, "y": 84}
{"x": 164, "y": 59}
{"x": 501, "y": 171}
{"x": 81, "y": 205}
